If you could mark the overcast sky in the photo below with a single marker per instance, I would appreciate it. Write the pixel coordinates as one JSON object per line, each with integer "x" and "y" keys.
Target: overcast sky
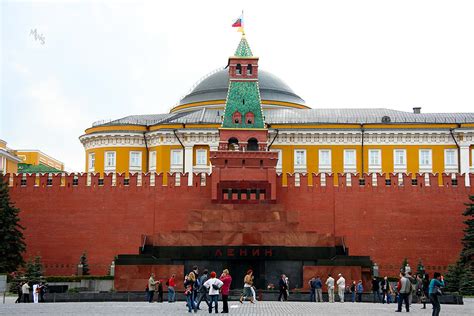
{"x": 110, "y": 59}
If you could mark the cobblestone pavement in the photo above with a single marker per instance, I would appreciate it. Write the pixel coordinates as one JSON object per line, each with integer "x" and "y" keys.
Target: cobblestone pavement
{"x": 261, "y": 308}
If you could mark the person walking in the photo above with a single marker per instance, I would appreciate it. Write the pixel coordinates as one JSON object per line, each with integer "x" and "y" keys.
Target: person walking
{"x": 341, "y": 287}
{"x": 213, "y": 284}
{"x": 318, "y": 289}
{"x": 330, "y": 285}
{"x": 189, "y": 284}
{"x": 19, "y": 293}
{"x": 404, "y": 289}
{"x": 202, "y": 291}
{"x": 312, "y": 289}
{"x": 376, "y": 290}
{"x": 159, "y": 299}
{"x": 425, "y": 285}
{"x": 171, "y": 283}
{"x": 247, "y": 292}
{"x": 283, "y": 288}
{"x": 226, "y": 280}
{"x": 151, "y": 287}
{"x": 25, "y": 292}
{"x": 385, "y": 285}
{"x": 360, "y": 290}
{"x": 435, "y": 291}
{"x": 353, "y": 291}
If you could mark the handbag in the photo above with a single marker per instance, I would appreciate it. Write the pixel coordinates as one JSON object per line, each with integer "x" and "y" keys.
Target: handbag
{"x": 438, "y": 291}
{"x": 215, "y": 287}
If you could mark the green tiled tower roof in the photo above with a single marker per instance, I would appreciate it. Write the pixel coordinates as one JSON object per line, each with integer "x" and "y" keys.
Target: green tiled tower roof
{"x": 243, "y": 50}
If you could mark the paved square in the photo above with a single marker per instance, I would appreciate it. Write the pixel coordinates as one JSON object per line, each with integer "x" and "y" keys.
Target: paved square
{"x": 261, "y": 308}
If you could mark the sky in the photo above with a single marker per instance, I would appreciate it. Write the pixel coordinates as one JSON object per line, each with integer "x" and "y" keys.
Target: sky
{"x": 66, "y": 64}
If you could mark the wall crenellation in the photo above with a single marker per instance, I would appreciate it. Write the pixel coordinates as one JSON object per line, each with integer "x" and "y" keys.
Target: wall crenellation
{"x": 180, "y": 180}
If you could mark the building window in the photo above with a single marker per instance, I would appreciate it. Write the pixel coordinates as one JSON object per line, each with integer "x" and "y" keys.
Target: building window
{"x": 249, "y": 69}
{"x": 135, "y": 161}
{"x": 91, "y": 162}
{"x": 450, "y": 159}
{"x": 279, "y": 162}
{"x": 152, "y": 160}
{"x": 176, "y": 158}
{"x": 399, "y": 160}
{"x": 375, "y": 160}
{"x": 201, "y": 157}
{"x": 300, "y": 159}
{"x": 325, "y": 160}
{"x": 425, "y": 160}
{"x": 110, "y": 161}
{"x": 350, "y": 160}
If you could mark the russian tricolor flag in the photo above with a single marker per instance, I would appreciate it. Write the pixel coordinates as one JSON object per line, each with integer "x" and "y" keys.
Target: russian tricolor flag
{"x": 239, "y": 22}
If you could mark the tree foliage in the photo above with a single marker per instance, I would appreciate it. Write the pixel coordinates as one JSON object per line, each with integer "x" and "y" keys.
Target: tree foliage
{"x": 85, "y": 265}
{"x": 34, "y": 270}
{"x": 12, "y": 243}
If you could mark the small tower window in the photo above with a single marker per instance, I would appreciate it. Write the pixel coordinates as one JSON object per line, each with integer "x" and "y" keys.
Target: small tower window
{"x": 249, "y": 69}
{"x": 238, "y": 69}
{"x": 233, "y": 144}
{"x": 252, "y": 144}
{"x": 237, "y": 117}
{"x": 249, "y": 118}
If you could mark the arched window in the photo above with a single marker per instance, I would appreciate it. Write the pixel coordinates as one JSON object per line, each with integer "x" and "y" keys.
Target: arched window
{"x": 249, "y": 118}
{"x": 237, "y": 117}
{"x": 238, "y": 69}
{"x": 233, "y": 143}
{"x": 249, "y": 69}
{"x": 252, "y": 144}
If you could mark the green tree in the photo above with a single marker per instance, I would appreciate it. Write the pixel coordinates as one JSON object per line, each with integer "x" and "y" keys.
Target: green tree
{"x": 453, "y": 276}
{"x": 34, "y": 270}
{"x": 12, "y": 243}
{"x": 420, "y": 269}
{"x": 466, "y": 283}
{"x": 85, "y": 265}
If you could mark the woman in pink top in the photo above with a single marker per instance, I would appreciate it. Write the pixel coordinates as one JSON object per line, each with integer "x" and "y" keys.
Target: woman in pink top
{"x": 227, "y": 280}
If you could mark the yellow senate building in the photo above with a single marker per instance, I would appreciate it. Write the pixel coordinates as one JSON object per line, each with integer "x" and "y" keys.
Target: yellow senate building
{"x": 307, "y": 139}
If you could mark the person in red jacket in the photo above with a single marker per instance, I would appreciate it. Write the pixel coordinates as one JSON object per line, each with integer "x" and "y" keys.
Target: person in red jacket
{"x": 171, "y": 292}
{"x": 227, "y": 280}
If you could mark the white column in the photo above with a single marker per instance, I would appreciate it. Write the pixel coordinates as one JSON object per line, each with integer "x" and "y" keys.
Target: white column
{"x": 464, "y": 149}
{"x": 188, "y": 163}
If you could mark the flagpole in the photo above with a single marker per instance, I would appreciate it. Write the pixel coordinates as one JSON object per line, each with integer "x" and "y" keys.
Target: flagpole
{"x": 243, "y": 24}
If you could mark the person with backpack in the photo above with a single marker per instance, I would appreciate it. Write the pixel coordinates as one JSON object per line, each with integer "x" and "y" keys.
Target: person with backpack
{"x": 359, "y": 290}
{"x": 312, "y": 289}
{"x": 213, "y": 284}
{"x": 202, "y": 291}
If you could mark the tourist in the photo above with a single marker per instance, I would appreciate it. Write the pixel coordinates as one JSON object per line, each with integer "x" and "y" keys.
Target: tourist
{"x": 18, "y": 288}
{"x": 412, "y": 280}
{"x": 353, "y": 291}
{"x": 25, "y": 291}
{"x": 341, "y": 287}
{"x": 360, "y": 290}
{"x": 425, "y": 285}
{"x": 35, "y": 293}
{"x": 226, "y": 280}
{"x": 189, "y": 285}
{"x": 312, "y": 289}
{"x": 171, "y": 285}
{"x": 159, "y": 299}
{"x": 376, "y": 290}
{"x": 247, "y": 292}
{"x": 196, "y": 283}
{"x": 319, "y": 289}
{"x": 151, "y": 287}
{"x": 283, "y": 285}
{"x": 213, "y": 284}
{"x": 330, "y": 285}
{"x": 404, "y": 289}
{"x": 202, "y": 291}
{"x": 42, "y": 290}
{"x": 435, "y": 291}
{"x": 419, "y": 288}
{"x": 385, "y": 285}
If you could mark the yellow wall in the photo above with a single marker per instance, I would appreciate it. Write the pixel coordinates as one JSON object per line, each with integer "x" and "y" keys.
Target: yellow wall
{"x": 122, "y": 158}
{"x": 12, "y": 166}
{"x": 31, "y": 158}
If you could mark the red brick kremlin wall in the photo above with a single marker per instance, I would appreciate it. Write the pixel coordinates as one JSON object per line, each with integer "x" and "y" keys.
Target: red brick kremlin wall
{"x": 387, "y": 223}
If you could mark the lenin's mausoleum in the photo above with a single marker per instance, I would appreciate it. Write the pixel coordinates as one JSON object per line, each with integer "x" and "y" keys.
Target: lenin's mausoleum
{"x": 242, "y": 174}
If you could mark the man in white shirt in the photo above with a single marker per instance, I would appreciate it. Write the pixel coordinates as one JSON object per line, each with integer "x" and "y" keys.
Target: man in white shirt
{"x": 213, "y": 284}
{"x": 341, "y": 287}
{"x": 330, "y": 285}
{"x": 35, "y": 293}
